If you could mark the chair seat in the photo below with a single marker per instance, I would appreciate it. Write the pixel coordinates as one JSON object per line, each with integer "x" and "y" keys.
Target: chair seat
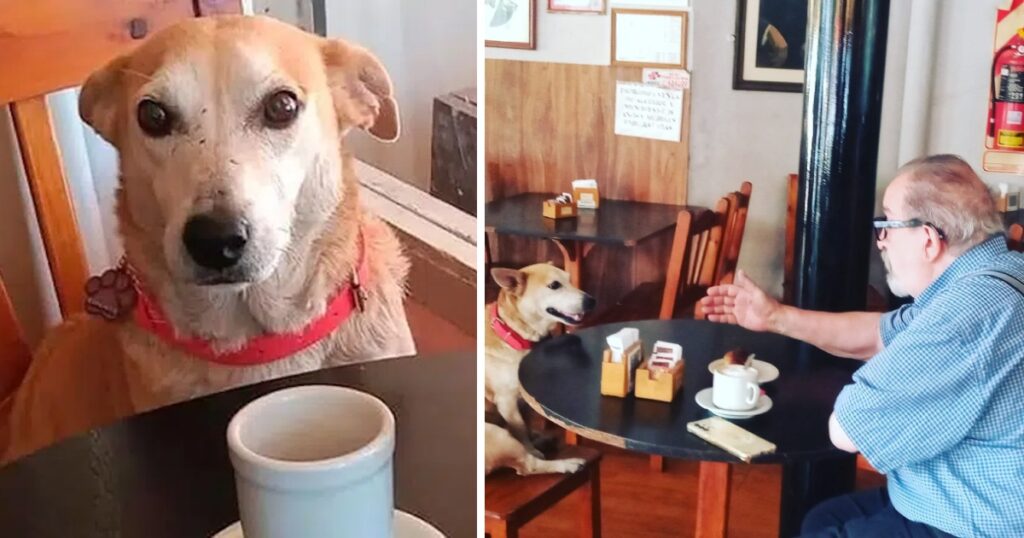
{"x": 518, "y": 499}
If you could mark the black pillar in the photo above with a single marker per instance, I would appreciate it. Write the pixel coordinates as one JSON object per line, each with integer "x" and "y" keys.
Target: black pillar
{"x": 845, "y": 64}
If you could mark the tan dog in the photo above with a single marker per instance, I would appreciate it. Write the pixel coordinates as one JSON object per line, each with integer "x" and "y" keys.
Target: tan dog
{"x": 531, "y": 303}
{"x": 240, "y": 215}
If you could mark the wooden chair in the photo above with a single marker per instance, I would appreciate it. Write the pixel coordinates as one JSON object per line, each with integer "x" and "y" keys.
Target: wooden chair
{"x": 1015, "y": 237}
{"x": 36, "y": 38}
{"x": 712, "y": 245}
{"x": 15, "y": 356}
{"x": 511, "y": 501}
{"x": 793, "y": 191}
{"x": 705, "y": 250}
{"x": 739, "y": 204}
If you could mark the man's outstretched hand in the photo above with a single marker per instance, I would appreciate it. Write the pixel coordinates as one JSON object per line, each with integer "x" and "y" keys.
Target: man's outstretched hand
{"x": 741, "y": 303}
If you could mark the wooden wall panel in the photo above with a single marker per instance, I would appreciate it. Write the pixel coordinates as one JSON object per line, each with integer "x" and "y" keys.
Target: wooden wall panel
{"x": 48, "y": 45}
{"x": 548, "y": 124}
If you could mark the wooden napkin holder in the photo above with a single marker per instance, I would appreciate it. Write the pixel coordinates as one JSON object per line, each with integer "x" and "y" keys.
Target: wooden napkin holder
{"x": 660, "y": 385}
{"x": 617, "y": 378}
{"x": 554, "y": 210}
{"x": 586, "y": 197}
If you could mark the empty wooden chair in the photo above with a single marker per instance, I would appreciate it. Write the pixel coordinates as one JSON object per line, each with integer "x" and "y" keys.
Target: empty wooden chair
{"x": 511, "y": 501}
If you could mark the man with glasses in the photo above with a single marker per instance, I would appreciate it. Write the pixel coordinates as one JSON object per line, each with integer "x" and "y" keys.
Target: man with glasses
{"x": 938, "y": 406}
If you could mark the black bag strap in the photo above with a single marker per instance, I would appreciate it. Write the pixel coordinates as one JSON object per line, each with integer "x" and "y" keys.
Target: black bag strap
{"x": 1005, "y": 277}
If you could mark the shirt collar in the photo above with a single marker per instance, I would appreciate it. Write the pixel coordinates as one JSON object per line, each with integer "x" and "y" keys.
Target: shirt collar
{"x": 972, "y": 260}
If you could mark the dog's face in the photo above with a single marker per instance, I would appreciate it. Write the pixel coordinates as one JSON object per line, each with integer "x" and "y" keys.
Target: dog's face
{"x": 543, "y": 290}
{"x": 229, "y": 135}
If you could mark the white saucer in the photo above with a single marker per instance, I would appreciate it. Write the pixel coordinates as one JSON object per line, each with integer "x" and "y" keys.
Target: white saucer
{"x": 764, "y": 403}
{"x": 766, "y": 371}
{"x": 406, "y": 526}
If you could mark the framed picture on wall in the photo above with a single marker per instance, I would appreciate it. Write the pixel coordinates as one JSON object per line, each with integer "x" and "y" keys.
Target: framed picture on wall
{"x": 509, "y": 23}
{"x": 576, "y": 6}
{"x": 771, "y": 41}
{"x": 648, "y": 37}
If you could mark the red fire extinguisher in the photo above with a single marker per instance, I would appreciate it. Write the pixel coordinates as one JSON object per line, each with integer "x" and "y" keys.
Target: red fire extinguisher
{"x": 1006, "y": 95}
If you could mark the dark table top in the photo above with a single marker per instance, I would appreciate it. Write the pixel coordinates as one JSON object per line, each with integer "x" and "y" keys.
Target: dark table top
{"x": 616, "y": 222}
{"x": 563, "y": 375}
{"x": 166, "y": 473}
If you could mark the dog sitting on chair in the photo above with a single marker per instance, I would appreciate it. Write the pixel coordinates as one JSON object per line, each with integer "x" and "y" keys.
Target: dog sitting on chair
{"x": 531, "y": 303}
{"x": 247, "y": 253}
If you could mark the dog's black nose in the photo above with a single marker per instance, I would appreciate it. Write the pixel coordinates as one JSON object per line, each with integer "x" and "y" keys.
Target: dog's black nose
{"x": 588, "y": 302}
{"x": 216, "y": 240}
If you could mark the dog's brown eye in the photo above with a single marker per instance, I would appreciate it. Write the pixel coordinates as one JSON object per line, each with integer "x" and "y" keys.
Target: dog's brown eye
{"x": 155, "y": 120}
{"x": 281, "y": 109}
{"x": 555, "y": 285}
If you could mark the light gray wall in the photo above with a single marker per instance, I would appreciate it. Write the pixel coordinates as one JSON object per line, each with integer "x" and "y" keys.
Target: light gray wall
{"x": 568, "y": 38}
{"x": 429, "y": 48}
{"x": 741, "y": 135}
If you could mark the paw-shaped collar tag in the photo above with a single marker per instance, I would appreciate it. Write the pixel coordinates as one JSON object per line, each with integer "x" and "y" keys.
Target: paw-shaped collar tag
{"x": 112, "y": 295}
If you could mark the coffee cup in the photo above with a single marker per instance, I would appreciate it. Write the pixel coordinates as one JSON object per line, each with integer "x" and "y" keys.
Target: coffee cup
{"x": 735, "y": 388}
{"x": 314, "y": 461}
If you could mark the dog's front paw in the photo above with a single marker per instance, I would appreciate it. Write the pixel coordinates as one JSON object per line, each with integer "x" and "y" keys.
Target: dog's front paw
{"x": 570, "y": 465}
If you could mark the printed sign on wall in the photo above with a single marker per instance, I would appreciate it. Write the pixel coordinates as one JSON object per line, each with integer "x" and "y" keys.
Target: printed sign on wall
{"x": 647, "y": 111}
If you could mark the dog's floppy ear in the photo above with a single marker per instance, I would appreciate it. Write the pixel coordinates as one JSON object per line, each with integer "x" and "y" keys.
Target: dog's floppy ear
{"x": 98, "y": 102}
{"x": 509, "y": 279}
{"x": 361, "y": 90}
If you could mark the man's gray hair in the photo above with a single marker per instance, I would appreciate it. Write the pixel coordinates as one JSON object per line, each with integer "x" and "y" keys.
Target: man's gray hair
{"x": 945, "y": 191}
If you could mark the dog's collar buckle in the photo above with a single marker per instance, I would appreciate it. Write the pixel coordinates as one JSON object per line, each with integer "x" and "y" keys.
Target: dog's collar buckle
{"x": 359, "y": 297}
{"x": 508, "y": 334}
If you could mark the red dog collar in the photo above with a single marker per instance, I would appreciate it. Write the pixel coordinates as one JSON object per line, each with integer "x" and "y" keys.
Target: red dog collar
{"x": 267, "y": 347}
{"x": 506, "y": 333}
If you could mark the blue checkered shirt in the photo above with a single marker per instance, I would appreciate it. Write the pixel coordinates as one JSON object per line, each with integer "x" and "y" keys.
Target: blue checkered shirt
{"x": 940, "y": 410}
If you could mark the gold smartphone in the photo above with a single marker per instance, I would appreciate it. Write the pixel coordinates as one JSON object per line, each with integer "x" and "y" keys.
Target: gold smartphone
{"x": 731, "y": 438}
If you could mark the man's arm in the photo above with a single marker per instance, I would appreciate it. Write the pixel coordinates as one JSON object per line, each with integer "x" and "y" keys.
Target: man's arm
{"x": 849, "y": 334}
{"x": 856, "y": 335}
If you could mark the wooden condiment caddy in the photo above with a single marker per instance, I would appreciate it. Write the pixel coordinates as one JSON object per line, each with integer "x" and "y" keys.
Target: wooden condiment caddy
{"x": 660, "y": 385}
{"x": 618, "y": 378}
{"x": 554, "y": 210}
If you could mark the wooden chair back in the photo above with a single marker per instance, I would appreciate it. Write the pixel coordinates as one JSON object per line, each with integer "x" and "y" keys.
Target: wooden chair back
{"x": 739, "y": 203}
{"x": 693, "y": 262}
{"x": 793, "y": 192}
{"x": 1015, "y": 237}
{"x": 50, "y": 45}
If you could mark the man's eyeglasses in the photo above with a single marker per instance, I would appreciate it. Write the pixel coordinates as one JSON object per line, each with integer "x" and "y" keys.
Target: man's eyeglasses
{"x": 882, "y": 226}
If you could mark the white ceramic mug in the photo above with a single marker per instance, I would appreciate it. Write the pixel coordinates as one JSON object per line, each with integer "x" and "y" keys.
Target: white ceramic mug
{"x": 735, "y": 388}
{"x": 314, "y": 461}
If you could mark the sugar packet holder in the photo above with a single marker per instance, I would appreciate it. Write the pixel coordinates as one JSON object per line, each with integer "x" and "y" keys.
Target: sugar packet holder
{"x": 661, "y": 375}
{"x": 559, "y": 207}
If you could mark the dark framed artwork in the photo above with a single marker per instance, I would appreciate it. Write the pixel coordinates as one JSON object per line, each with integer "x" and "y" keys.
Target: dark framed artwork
{"x": 771, "y": 42}
{"x": 509, "y": 23}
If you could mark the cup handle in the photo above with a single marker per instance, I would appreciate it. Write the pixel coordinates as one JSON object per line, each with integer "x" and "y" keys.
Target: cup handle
{"x": 754, "y": 392}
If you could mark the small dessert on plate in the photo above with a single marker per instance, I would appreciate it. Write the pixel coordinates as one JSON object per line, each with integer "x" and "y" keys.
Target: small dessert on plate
{"x": 738, "y": 356}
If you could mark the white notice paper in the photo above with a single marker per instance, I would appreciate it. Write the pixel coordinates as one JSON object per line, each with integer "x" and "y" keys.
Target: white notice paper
{"x": 651, "y": 39}
{"x": 647, "y": 111}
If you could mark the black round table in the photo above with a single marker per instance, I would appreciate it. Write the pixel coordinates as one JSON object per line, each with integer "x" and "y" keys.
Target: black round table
{"x": 166, "y": 473}
{"x": 561, "y": 379}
